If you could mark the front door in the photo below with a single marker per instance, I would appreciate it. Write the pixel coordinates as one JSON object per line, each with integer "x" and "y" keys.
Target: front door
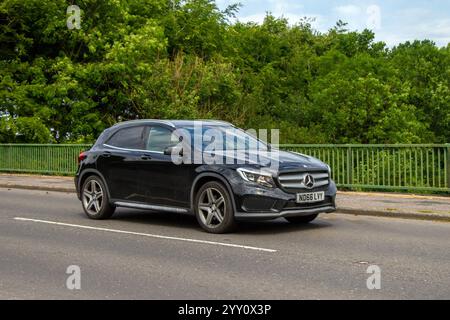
{"x": 162, "y": 181}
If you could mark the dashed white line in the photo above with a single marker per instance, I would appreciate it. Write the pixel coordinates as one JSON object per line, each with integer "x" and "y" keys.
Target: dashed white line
{"x": 146, "y": 234}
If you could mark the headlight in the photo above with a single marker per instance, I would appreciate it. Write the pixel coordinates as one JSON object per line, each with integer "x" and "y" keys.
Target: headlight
{"x": 263, "y": 178}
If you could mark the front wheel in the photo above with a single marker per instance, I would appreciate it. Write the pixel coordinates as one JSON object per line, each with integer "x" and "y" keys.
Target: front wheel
{"x": 95, "y": 199}
{"x": 301, "y": 219}
{"x": 213, "y": 208}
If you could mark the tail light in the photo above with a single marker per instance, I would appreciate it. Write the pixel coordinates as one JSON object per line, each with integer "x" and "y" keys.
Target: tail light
{"x": 82, "y": 156}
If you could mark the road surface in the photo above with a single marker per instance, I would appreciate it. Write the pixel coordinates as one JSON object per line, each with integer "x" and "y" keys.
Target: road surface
{"x": 145, "y": 255}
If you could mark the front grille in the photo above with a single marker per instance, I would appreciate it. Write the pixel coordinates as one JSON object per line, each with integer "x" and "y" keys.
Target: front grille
{"x": 295, "y": 180}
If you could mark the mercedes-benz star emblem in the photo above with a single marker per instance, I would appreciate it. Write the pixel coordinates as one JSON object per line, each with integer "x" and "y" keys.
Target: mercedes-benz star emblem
{"x": 308, "y": 181}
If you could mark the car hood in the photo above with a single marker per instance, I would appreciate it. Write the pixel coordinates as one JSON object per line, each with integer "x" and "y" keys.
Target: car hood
{"x": 283, "y": 160}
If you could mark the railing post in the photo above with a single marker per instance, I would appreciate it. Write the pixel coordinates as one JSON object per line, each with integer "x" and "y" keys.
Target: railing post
{"x": 447, "y": 147}
{"x": 349, "y": 165}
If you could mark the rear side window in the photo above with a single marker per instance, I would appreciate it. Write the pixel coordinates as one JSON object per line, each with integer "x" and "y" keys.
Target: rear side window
{"x": 129, "y": 138}
{"x": 160, "y": 138}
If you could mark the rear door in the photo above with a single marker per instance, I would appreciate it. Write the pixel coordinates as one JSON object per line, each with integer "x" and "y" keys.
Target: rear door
{"x": 118, "y": 162}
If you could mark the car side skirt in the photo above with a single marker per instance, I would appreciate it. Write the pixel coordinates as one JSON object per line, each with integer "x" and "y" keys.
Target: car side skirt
{"x": 144, "y": 206}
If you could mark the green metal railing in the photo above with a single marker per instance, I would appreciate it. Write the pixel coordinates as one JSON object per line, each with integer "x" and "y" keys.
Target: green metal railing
{"x": 40, "y": 158}
{"x": 417, "y": 167}
{"x": 424, "y": 167}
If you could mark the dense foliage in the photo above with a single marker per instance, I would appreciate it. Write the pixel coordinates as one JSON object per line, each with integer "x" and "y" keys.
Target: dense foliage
{"x": 185, "y": 59}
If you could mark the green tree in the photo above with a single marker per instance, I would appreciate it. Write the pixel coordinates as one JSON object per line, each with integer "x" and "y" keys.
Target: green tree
{"x": 187, "y": 59}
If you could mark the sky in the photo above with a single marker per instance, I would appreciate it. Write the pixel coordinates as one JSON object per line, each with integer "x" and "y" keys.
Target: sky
{"x": 393, "y": 21}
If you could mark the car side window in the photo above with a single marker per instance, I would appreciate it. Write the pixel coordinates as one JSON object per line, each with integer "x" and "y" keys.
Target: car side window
{"x": 160, "y": 138}
{"x": 129, "y": 138}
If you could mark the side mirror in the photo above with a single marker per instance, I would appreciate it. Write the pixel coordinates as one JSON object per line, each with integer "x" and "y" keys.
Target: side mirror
{"x": 170, "y": 150}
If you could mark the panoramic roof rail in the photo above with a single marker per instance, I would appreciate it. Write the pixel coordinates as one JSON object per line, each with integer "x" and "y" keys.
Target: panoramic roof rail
{"x": 173, "y": 123}
{"x": 168, "y": 122}
{"x": 216, "y": 121}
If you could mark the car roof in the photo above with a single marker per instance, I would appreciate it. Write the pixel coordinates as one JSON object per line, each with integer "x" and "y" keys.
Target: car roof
{"x": 175, "y": 123}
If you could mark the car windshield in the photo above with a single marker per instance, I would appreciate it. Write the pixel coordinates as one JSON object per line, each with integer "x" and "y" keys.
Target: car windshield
{"x": 223, "y": 138}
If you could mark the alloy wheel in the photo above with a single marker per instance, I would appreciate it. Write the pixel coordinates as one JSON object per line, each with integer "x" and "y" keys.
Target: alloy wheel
{"x": 212, "y": 207}
{"x": 93, "y": 197}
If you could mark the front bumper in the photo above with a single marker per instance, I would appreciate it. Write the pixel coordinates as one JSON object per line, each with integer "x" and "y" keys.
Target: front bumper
{"x": 253, "y": 202}
{"x": 269, "y": 215}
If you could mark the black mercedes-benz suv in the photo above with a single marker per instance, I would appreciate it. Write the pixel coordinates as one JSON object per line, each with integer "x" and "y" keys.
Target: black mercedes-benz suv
{"x": 211, "y": 169}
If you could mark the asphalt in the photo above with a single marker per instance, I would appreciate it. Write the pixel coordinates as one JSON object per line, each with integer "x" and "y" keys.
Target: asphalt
{"x": 147, "y": 255}
{"x": 436, "y": 208}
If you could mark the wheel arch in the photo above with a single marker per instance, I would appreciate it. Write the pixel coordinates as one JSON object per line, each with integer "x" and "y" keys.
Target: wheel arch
{"x": 205, "y": 177}
{"x": 92, "y": 172}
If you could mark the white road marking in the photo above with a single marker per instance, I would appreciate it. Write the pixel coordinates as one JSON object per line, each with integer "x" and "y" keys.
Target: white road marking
{"x": 146, "y": 234}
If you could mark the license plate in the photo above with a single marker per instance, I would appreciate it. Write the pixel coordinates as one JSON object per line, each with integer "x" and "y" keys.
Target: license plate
{"x": 310, "y": 197}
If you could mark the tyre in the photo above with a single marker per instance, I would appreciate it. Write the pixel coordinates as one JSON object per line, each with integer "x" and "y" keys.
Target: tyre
{"x": 213, "y": 208}
{"x": 301, "y": 219}
{"x": 94, "y": 199}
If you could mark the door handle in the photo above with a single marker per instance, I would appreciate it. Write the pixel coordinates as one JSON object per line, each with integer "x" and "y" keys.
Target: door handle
{"x": 106, "y": 154}
{"x": 146, "y": 157}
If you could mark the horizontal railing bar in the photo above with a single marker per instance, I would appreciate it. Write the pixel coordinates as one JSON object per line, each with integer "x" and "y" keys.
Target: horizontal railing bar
{"x": 43, "y": 145}
{"x": 360, "y": 145}
{"x": 415, "y": 167}
{"x": 368, "y": 186}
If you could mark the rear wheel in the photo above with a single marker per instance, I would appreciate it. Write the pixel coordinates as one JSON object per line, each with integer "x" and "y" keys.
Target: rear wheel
{"x": 214, "y": 209}
{"x": 302, "y": 219}
{"x": 95, "y": 199}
